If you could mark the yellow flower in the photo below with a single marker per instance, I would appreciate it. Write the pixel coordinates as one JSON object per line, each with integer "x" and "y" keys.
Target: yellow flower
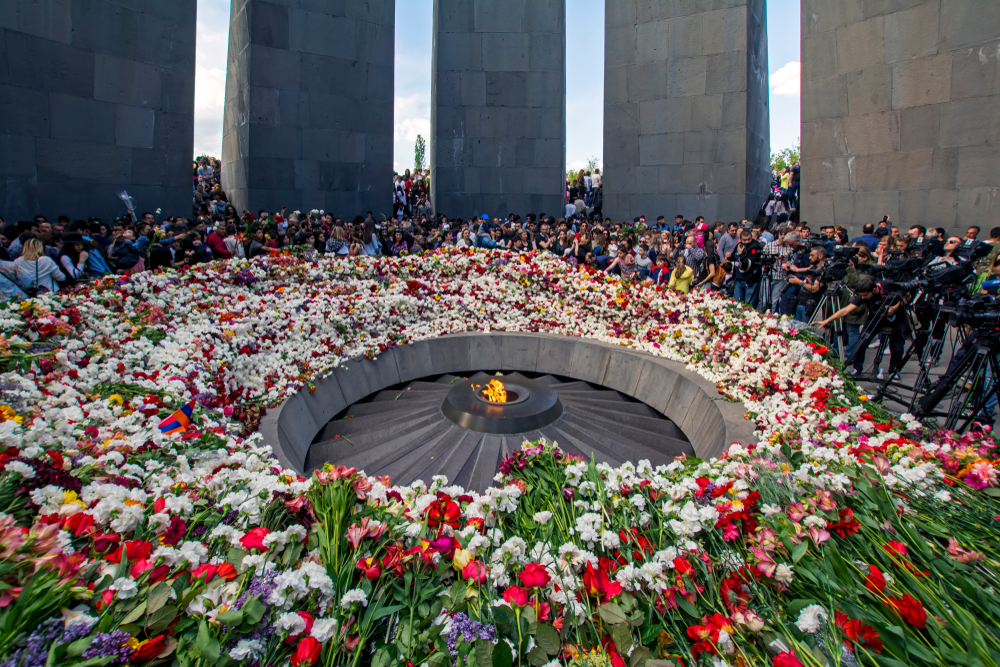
{"x": 462, "y": 558}
{"x": 7, "y": 414}
{"x": 116, "y": 399}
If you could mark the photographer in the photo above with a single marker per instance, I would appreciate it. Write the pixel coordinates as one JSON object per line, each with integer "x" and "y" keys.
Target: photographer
{"x": 868, "y": 299}
{"x": 780, "y": 250}
{"x": 747, "y": 268}
{"x": 811, "y": 286}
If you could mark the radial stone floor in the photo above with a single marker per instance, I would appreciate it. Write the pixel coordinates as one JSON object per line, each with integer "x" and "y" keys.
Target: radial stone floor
{"x": 402, "y": 432}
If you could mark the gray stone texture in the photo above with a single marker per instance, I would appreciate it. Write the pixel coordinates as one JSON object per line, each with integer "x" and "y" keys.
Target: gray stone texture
{"x": 691, "y": 402}
{"x": 96, "y": 96}
{"x": 309, "y": 106}
{"x": 498, "y": 107}
{"x": 901, "y": 112}
{"x": 686, "y": 123}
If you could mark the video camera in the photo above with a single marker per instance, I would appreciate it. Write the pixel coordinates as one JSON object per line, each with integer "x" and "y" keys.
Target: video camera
{"x": 977, "y": 312}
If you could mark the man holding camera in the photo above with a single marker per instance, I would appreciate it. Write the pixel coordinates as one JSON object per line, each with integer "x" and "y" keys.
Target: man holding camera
{"x": 747, "y": 268}
{"x": 811, "y": 286}
{"x": 868, "y": 299}
{"x": 781, "y": 251}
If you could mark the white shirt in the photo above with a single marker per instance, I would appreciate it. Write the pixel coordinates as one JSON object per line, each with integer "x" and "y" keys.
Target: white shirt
{"x": 570, "y": 210}
{"x": 66, "y": 263}
{"x": 595, "y": 180}
{"x": 47, "y": 272}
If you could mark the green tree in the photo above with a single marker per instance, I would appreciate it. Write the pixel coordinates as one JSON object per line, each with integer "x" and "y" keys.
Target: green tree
{"x": 785, "y": 158}
{"x": 419, "y": 153}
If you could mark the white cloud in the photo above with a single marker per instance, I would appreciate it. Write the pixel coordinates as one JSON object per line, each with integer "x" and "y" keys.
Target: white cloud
{"x": 785, "y": 81}
{"x": 210, "y": 88}
{"x": 412, "y": 117}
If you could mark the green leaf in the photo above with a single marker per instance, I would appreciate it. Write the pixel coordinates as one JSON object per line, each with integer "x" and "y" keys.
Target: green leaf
{"x": 203, "y": 636}
{"x": 381, "y": 658}
{"x": 502, "y": 656}
{"x": 537, "y": 657}
{"x": 640, "y": 657}
{"x": 611, "y": 613}
{"x": 800, "y": 551}
{"x": 687, "y": 607}
{"x": 158, "y": 596}
{"x": 387, "y": 611}
{"x": 484, "y": 652}
{"x": 160, "y": 619}
{"x": 77, "y": 648}
{"x": 253, "y": 611}
{"x": 528, "y": 615}
{"x": 232, "y": 617}
{"x": 212, "y": 652}
{"x": 623, "y": 638}
{"x": 135, "y": 614}
{"x": 547, "y": 638}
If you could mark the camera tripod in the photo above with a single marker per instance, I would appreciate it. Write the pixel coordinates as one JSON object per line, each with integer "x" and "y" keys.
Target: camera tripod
{"x": 972, "y": 380}
{"x": 829, "y": 304}
{"x": 887, "y": 327}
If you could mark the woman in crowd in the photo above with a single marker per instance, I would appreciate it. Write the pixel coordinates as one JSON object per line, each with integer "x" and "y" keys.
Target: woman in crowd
{"x": 399, "y": 245}
{"x": 337, "y": 243}
{"x": 37, "y": 272}
{"x": 681, "y": 277}
{"x": 466, "y": 240}
{"x": 73, "y": 257}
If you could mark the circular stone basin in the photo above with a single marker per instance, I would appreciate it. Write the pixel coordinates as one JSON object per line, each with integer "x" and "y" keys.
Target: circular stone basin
{"x": 530, "y": 405}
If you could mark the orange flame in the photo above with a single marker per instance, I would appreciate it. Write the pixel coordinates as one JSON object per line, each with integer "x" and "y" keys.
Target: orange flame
{"x": 494, "y": 392}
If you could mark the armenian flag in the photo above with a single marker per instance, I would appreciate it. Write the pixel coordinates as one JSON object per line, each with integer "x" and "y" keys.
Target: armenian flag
{"x": 179, "y": 421}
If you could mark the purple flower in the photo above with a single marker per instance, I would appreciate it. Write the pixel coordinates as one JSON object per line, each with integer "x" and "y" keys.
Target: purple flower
{"x": 469, "y": 630}
{"x": 113, "y": 644}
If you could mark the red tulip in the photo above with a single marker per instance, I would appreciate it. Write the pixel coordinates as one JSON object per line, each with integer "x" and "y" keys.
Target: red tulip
{"x": 150, "y": 648}
{"x": 159, "y": 504}
{"x": 474, "y": 571}
{"x": 78, "y": 524}
{"x": 786, "y": 659}
{"x": 306, "y": 653}
{"x": 534, "y": 576}
{"x": 254, "y": 539}
{"x": 106, "y": 542}
{"x": 874, "y": 580}
{"x": 516, "y": 596}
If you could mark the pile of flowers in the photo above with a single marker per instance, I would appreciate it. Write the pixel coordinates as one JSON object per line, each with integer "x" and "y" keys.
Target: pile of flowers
{"x": 842, "y": 536}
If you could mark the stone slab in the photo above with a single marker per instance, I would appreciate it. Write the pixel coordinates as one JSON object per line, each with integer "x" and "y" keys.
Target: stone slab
{"x": 95, "y": 77}
{"x": 669, "y": 68}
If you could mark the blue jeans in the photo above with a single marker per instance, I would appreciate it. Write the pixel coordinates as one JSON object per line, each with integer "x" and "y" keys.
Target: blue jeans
{"x": 746, "y": 292}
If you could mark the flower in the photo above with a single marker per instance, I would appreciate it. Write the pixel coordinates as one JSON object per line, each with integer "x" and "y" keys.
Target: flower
{"x": 783, "y": 574}
{"x": 306, "y": 653}
{"x": 874, "y": 580}
{"x": 254, "y": 539}
{"x": 125, "y": 588}
{"x": 911, "y": 610}
{"x": 475, "y": 571}
{"x": 811, "y": 618}
{"x": 352, "y": 597}
{"x": 516, "y": 597}
{"x": 534, "y": 576}
{"x": 785, "y": 659}
{"x": 542, "y": 518}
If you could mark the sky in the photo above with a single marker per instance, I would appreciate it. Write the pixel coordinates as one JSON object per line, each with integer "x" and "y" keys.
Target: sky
{"x": 584, "y": 73}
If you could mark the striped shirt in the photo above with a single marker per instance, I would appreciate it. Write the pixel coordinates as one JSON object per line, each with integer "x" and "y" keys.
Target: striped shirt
{"x": 784, "y": 252}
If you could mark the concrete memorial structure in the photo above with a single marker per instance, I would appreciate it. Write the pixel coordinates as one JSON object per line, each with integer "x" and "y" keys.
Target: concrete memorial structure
{"x": 901, "y": 112}
{"x": 498, "y": 107}
{"x": 96, "y": 96}
{"x": 309, "y": 106}
{"x": 686, "y": 124}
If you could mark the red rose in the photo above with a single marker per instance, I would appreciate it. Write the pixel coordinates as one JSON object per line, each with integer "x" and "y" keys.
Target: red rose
{"x": 205, "y": 570}
{"x": 474, "y": 571}
{"x": 516, "y": 596}
{"x": 306, "y": 653}
{"x": 150, "y": 649}
{"x": 254, "y": 539}
{"x": 534, "y": 576}
{"x": 895, "y": 548}
{"x": 786, "y": 659}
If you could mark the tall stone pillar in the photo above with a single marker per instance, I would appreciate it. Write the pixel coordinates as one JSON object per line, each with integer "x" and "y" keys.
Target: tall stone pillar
{"x": 309, "y": 106}
{"x": 900, "y": 113}
{"x": 96, "y": 96}
{"x": 498, "y": 107}
{"x": 686, "y": 124}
